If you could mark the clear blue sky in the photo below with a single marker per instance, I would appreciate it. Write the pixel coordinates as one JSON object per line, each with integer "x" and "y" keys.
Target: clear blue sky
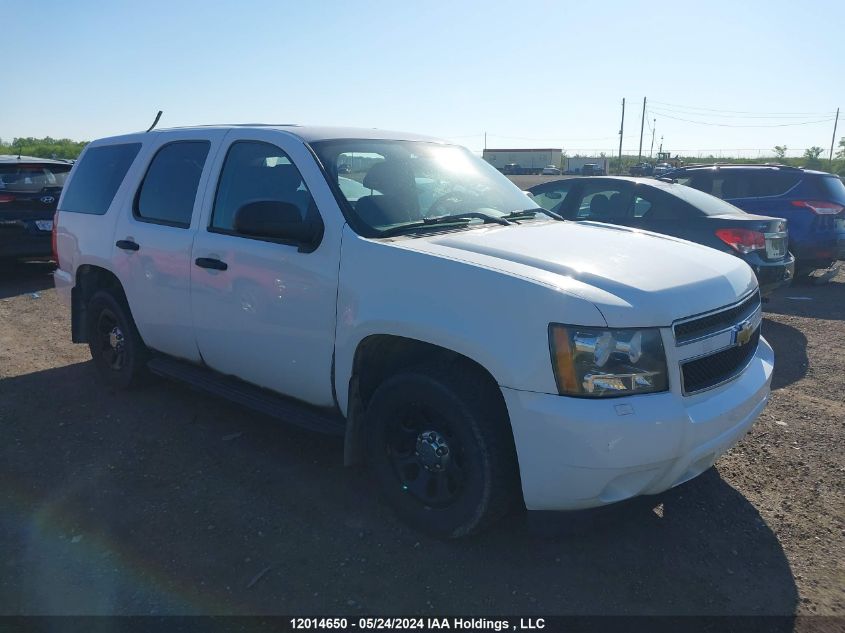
{"x": 529, "y": 73}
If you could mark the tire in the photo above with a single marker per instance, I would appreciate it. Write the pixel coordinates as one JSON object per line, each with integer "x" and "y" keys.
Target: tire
{"x": 119, "y": 354}
{"x": 411, "y": 418}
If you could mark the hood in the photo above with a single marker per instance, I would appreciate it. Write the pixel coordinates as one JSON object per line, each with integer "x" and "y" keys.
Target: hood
{"x": 635, "y": 278}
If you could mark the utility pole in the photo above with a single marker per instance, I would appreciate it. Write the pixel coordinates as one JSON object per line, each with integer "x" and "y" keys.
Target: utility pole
{"x": 653, "y": 132}
{"x": 642, "y": 128}
{"x": 833, "y": 140}
{"x": 485, "y": 140}
{"x": 621, "y": 129}
{"x": 660, "y": 150}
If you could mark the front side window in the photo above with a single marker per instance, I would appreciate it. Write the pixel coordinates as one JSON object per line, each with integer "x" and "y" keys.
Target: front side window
{"x": 169, "y": 189}
{"x": 392, "y": 185}
{"x": 553, "y": 196}
{"x": 255, "y": 171}
{"x": 97, "y": 177}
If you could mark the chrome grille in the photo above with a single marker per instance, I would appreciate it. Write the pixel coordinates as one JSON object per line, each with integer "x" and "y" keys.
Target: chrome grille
{"x": 709, "y": 371}
{"x": 698, "y": 327}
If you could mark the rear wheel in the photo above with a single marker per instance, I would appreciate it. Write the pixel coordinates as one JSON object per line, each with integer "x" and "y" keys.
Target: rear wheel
{"x": 116, "y": 347}
{"x": 440, "y": 449}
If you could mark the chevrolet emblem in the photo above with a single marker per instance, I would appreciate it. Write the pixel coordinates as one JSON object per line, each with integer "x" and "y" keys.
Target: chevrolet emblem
{"x": 743, "y": 333}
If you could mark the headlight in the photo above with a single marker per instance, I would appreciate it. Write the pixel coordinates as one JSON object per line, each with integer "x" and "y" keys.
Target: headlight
{"x": 593, "y": 362}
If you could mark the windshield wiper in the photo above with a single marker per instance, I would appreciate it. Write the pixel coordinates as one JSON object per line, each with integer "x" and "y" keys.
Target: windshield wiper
{"x": 525, "y": 214}
{"x": 455, "y": 218}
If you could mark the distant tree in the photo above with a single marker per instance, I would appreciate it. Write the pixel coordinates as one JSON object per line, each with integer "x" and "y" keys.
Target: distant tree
{"x": 841, "y": 152}
{"x": 46, "y": 147}
{"x": 811, "y": 156}
{"x": 780, "y": 151}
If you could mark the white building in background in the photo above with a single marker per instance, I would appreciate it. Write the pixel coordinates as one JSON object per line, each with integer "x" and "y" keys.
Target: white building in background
{"x": 525, "y": 159}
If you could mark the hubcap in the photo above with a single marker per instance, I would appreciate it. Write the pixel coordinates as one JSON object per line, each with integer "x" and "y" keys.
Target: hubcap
{"x": 116, "y": 339}
{"x": 432, "y": 451}
{"x": 426, "y": 456}
{"x": 112, "y": 343}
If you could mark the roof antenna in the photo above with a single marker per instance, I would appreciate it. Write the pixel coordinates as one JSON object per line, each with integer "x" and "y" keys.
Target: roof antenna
{"x": 158, "y": 116}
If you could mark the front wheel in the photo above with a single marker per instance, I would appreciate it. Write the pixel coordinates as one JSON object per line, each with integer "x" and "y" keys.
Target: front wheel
{"x": 116, "y": 347}
{"x": 441, "y": 450}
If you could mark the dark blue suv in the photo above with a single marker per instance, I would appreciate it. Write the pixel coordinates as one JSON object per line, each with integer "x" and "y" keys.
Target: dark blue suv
{"x": 813, "y": 202}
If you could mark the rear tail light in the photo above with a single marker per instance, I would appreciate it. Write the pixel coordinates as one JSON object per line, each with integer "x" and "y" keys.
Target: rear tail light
{"x": 5, "y": 197}
{"x": 742, "y": 240}
{"x": 819, "y": 207}
{"x": 53, "y": 238}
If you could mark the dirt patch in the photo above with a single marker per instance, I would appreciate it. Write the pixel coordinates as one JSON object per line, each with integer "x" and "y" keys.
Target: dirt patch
{"x": 164, "y": 500}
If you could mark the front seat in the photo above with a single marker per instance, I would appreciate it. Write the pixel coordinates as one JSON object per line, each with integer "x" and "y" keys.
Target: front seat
{"x": 397, "y": 202}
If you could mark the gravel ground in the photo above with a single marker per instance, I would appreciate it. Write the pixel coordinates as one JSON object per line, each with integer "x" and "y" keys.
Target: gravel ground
{"x": 164, "y": 500}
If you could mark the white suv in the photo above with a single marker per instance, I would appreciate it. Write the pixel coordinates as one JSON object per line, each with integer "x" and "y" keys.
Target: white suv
{"x": 474, "y": 350}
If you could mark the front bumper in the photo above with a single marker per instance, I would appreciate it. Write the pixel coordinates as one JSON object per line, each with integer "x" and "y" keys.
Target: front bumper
{"x": 580, "y": 453}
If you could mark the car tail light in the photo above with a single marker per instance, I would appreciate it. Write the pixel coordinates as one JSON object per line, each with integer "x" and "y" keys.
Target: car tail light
{"x": 742, "y": 240}
{"x": 819, "y": 207}
{"x": 5, "y": 197}
{"x": 53, "y": 240}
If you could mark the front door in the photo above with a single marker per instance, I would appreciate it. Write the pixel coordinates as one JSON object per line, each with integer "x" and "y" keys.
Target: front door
{"x": 264, "y": 311}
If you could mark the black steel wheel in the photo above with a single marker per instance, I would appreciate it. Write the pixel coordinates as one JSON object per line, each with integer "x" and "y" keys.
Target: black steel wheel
{"x": 440, "y": 449}
{"x": 427, "y": 456}
{"x": 116, "y": 348}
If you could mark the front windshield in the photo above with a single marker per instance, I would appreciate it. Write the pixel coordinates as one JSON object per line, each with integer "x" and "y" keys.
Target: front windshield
{"x": 394, "y": 184}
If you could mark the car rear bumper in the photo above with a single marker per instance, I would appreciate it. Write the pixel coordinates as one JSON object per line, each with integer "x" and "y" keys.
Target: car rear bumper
{"x": 774, "y": 275}
{"x": 25, "y": 244}
{"x": 579, "y": 453}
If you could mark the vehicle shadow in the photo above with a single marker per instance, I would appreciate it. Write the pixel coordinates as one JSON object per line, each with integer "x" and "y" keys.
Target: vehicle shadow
{"x": 22, "y": 277}
{"x": 790, "y": 345}
{"x": 166, "y": 501}
{"x": 803, "y": 299}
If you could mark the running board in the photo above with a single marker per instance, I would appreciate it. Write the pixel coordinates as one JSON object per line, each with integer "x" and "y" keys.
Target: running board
{"x": 262, "y": 400}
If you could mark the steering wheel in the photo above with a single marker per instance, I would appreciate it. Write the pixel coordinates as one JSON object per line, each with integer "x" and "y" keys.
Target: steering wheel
{"x": 455, "y": 196}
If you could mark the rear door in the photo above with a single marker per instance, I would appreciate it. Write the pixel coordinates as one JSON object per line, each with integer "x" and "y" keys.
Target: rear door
{"x": 154, "y": 237}
{"x": 600, "y": 200}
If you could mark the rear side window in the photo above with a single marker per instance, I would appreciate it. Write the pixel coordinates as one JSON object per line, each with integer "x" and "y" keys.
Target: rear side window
{"x": 169, "y": 188}
{"x": 603, "y": 201}
{"x": 740, "y": 183}
{"x": 97, "y": 178}
{"x": 767, "y": 182}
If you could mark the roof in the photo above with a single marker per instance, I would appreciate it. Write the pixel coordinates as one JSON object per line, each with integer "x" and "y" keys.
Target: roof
{"x": 14, "y": 158}
{"x": 307, "y": 133}
{"x": 774, "y": 166}
{"x": 523, "y": 149}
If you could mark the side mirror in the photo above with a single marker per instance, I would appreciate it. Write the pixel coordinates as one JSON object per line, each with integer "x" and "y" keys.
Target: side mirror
{"x": 276, "y": 220}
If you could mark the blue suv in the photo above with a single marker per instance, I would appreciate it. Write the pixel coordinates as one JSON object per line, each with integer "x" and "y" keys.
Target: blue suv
{"x": 813, "y": 203}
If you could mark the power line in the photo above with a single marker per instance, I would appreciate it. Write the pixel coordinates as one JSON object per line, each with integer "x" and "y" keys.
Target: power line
{"x": 710, "y": 123}
{"x": 675, "y": 105}
{"x": 739, "y": 116}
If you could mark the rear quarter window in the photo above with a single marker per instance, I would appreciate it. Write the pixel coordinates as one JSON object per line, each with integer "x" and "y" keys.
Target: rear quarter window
{"x": 97, "y": 177}
{"x": 827, "y": 188}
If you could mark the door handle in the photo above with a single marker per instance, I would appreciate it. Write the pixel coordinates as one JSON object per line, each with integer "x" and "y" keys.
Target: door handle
{"x": 210, "y": 262}
{"x": 127, "y": 245}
